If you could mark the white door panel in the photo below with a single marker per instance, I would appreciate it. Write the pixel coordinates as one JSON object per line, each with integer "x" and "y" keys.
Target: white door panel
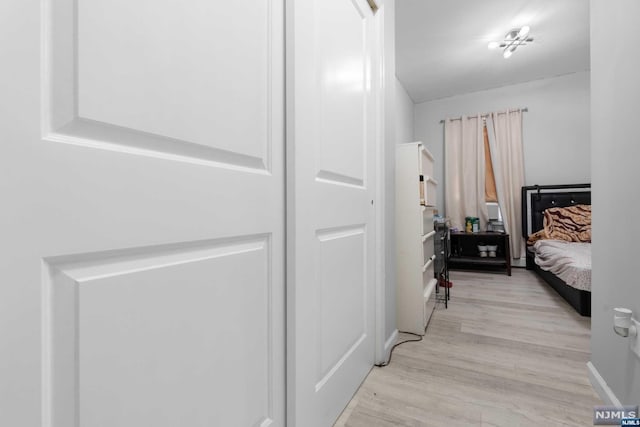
{"x": 341, "y": 92}
{"x": 341, "y": 319}
{"x": 142, "y": 213}
{"x": 162, "y": 78}
{"x": 159, "y": 74}
{"x": 331, "y": 300}
{"x": 138, "y": 322}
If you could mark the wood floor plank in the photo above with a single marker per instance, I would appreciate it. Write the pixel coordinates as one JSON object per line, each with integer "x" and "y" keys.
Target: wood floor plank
{"x": 507, "y": 351}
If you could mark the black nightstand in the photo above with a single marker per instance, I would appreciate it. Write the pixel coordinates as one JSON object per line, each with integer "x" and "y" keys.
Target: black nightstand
{"x": 464, "y": 251}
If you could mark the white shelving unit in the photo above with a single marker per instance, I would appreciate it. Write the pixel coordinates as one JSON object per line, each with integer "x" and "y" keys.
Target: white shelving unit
{"x": 414, "y": 237}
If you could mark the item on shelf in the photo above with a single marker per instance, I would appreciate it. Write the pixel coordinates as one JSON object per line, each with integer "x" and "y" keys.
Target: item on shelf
{"x": 422, "y": 201}
{"x": 444, "y": 283}
{"x": 482, "y": 249}
{"x": 492, "y": 249}
{"x": 472, "y": 224}
{"x": 495, "y": 226}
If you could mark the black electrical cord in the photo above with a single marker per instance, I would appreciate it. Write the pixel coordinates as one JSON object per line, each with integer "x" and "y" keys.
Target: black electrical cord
{"x": 382, "y": 365}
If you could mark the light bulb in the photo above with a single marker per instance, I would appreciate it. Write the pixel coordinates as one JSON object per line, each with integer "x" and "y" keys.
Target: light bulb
{"x": 493, "y": 45}
{"x": 523, "y": 32}
{"x": 507, "y": 53}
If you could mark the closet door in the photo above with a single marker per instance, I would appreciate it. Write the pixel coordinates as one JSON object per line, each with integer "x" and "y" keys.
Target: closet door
{"x": 330, "y": 206}
{"x": 142, "y": 220}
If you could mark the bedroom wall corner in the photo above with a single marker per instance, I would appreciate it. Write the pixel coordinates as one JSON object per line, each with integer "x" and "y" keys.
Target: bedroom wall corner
{"x": 615, "y": 90}
{"x": 404, "y": 114}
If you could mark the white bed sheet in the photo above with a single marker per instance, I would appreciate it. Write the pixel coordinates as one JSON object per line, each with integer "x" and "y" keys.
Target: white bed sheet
{"x": 569, "y": 261}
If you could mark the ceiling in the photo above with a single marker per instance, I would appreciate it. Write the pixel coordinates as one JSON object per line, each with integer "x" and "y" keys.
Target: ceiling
{"x": 441, "y": 46}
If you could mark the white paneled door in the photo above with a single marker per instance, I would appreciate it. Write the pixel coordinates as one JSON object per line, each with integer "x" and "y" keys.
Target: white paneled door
{"x": 142, "y": 214}
{"x": 330, "y": 206}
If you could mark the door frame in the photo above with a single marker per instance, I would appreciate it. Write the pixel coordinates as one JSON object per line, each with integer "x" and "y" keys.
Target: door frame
{"x": 385, "y": 126}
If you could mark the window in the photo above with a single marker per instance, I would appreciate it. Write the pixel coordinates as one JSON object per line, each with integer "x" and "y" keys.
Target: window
{"x": 490, "y": 192}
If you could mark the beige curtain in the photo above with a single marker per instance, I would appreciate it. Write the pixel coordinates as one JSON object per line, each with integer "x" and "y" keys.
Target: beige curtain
{"x": 505, "y": 141}
{"x": 464, "y": 170}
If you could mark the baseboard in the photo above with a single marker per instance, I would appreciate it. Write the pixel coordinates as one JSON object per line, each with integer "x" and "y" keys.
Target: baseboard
{"x": 389, "y": 344}
{"x": 601, "y": 388}
{"x": 519, "y": 262}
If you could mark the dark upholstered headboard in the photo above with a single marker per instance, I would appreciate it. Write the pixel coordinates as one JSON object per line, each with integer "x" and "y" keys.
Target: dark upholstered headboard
{"x": 537, "y": 198}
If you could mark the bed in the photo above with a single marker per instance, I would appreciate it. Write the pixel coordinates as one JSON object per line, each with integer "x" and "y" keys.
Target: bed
{"x": 565, "y": 266}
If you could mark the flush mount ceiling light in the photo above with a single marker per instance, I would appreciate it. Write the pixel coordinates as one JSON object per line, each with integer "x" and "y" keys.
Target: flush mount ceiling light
{"x": 513, "y": 39}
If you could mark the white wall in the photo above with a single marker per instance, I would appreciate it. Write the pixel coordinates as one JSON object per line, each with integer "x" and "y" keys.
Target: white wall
{"x": 400, "y": 109}
{"x": 404, "y": 114}
{"x": 615, "y": 91}
{"x": 556, "y": 128}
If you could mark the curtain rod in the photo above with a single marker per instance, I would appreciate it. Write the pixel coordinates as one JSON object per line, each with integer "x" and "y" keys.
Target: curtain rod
{"x": 525, "y": 109}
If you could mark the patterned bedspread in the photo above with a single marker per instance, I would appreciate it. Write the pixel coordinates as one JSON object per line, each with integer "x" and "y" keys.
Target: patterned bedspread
{"x": 571, "y": 224}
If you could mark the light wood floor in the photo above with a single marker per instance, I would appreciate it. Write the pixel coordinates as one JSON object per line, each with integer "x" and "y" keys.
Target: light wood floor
{"x": 508, "y": 352}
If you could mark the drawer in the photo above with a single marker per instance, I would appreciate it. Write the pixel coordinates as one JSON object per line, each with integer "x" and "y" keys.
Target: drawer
{"x": 427, "y": 219}
{"x": 428, "y": 271}
{"x": 428, "y": 249}
{"x": 430, "y": 194}
{"x": 429, "y": 300}
{"x": 426, "y": 161}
